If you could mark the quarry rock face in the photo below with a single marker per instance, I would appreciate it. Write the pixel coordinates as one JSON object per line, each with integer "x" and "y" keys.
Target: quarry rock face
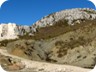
{"x": 12, "y": 31}
{"x": 7, "y": 31}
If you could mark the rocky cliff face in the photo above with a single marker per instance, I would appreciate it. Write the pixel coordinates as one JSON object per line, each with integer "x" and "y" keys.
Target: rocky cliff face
{"x": 12, "y": 31}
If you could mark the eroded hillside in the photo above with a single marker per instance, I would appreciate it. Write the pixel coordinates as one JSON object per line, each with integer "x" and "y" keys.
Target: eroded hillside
{"x": 73, "y": 45}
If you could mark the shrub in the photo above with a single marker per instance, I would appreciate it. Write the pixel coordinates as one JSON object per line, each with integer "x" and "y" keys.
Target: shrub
{"x": 5, "y": 42}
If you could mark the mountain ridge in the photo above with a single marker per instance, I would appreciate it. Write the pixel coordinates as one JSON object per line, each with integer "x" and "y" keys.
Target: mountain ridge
{"x": 71, "y": 16}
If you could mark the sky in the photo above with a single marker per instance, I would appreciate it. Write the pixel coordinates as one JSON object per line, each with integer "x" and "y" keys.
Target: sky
{"x": 27, "y": 12}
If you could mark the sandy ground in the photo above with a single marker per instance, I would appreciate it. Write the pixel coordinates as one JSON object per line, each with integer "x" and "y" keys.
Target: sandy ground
{"x": 34, "y": 66}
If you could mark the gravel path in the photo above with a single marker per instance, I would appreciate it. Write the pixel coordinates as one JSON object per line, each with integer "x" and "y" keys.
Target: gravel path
{"x": 33, "y": 66}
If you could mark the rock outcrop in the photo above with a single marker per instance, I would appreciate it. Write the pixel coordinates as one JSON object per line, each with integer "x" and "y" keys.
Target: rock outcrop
{"x": 70, "y": 15}
{"x": 12, "y": 31}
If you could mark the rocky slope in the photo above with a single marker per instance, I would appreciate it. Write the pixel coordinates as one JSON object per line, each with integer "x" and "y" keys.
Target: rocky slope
{"x": 65, "y": 37}
{"x": 76, "y": 46}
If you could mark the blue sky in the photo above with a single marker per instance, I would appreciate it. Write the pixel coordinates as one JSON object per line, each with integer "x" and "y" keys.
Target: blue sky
{"x": 26, "y": 12}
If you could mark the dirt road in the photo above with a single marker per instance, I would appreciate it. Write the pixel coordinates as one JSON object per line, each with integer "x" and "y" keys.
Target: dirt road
{"x": 34, "y": 66}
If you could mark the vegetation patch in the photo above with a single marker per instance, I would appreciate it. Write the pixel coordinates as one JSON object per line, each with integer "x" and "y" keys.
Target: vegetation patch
{"x": 5, "y": 42}
{"x": 63, "y": 47}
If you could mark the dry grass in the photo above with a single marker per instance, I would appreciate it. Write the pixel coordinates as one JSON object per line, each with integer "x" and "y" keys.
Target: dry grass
{"x": 57, "y": 29}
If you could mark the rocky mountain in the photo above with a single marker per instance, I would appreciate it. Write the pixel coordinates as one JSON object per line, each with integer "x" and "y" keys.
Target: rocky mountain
{"x": 65, "y": 37}
{"x": 71, "y": 16}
